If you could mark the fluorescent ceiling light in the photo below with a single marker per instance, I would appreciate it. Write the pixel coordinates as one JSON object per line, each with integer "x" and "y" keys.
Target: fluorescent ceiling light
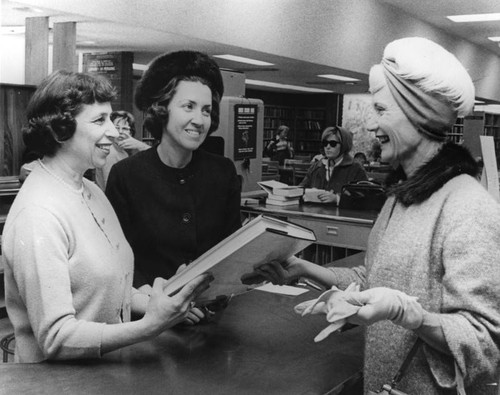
{"x": 338, "y": 77}
{"x": 478, "y": 102}
{"x": 494, "y": 16}
{"x": 244, "y": 60}
{"x": 285, "y": 86}
{"x": 138, "y": 66}
{"x": 496, "y": 39}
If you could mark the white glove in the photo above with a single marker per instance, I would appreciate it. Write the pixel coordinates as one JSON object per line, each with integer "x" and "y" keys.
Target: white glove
{"x": 386, "y": 304}
{"x": 333, "y": 303}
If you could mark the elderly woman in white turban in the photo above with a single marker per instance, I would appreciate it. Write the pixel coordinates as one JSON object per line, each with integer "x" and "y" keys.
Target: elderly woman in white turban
{"x": 431, "y": 270}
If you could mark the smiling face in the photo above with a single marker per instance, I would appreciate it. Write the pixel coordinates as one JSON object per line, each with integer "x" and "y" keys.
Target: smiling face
{"x": 189, "y": 117}
{"x": 398, "y": 138}
{"x": 89, "y": 146}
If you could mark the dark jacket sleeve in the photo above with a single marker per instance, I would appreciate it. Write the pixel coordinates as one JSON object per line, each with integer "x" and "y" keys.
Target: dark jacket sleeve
{"x": 115, "y": 191}
{"x": 234, "y": 201}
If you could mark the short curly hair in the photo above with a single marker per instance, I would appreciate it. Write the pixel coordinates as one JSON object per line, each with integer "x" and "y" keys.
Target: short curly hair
{"x": 126, "y": 116}
{"x": 52, "y": 109}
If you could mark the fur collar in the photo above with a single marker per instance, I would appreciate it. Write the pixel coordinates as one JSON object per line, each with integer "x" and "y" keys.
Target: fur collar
{"x": 451, "y": 161}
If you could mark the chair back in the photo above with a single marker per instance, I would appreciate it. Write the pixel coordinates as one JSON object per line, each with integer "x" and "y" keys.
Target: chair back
{"x": 290, "y": 162}
{"x": 303, "y": 158}
{"x": 270, "y": 170}
{"x": 299, "y": 171}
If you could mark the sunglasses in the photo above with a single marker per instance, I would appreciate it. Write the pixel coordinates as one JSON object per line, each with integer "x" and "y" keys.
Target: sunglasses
{"x": 331, "y": 143}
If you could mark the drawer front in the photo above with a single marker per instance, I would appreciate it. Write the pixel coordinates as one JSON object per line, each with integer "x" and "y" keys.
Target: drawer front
{"x": 337, "y": 233}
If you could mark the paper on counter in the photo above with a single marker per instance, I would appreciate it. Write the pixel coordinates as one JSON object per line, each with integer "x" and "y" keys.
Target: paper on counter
{"x": 282, "y": 289}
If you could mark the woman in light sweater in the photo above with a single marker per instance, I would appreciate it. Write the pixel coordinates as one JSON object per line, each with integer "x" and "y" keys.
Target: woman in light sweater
{"x": 68, "y": 266}
{"x": 436, "y": 240}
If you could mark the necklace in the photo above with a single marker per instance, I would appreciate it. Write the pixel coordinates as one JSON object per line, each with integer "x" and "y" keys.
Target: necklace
{"x": 71, "y": 187}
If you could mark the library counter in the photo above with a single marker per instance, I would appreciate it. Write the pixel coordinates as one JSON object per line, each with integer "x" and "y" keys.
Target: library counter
{"x": 332, "y": 226}
{"x": 257, "y": 345}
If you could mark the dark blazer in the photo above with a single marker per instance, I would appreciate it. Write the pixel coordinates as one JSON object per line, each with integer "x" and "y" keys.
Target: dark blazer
{"x": 172, "y": 216}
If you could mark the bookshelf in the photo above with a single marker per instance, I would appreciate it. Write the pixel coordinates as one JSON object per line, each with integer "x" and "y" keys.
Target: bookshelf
{"x": 306, "y": 126}
{"x": 482, "y": 123}
{"x": 275, "y": 116}
{"x": 309, "y": 124}
{"x": 306, "y": 114}
{"x": 457, "y": 131}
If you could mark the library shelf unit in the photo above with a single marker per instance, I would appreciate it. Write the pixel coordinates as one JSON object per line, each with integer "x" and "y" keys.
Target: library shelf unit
{"x": 306, "y": 125}
{"x": 482, "y": 124}
{"x": 456, "y": 133}
{"x": 274, "y": 117}
{"x": 309, "y": 124}
{"x": 306, "y": 114}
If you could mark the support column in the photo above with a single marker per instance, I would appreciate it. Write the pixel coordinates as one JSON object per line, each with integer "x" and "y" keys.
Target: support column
{"x": 64, "y": 54}
{"x": 36, "y": 50}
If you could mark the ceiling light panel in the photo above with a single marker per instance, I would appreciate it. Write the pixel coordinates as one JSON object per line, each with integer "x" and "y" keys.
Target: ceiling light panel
{"x": 241, "y": 59}
{"x": 285, "y": 86}
{"x": 494, "y": 16}
{"x": 338, "y": 78}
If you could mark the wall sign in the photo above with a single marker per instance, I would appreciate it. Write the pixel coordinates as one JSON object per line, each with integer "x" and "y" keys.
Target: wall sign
{"x": 245, "y": 131}
{"x": 117, "y": 68}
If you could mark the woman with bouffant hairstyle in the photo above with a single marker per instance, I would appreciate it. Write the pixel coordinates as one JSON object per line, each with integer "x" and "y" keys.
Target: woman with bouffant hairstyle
{"x": 176, "y": 201}
{"x": 68, "y": 265}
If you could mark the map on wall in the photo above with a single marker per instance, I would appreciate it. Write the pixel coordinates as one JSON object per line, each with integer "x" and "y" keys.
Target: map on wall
{"x": 356, "y": 113}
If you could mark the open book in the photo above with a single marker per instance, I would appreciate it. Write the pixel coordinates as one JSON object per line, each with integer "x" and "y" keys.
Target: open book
{"x": 261, "y": 240}
{"x": 311, "y": 195}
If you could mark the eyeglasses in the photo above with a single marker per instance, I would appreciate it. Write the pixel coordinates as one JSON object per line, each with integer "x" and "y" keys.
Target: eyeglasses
{"x": 331, "y": 143}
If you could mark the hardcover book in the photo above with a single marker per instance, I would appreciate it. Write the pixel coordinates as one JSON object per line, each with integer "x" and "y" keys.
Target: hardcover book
{"x": 261, "y": 240}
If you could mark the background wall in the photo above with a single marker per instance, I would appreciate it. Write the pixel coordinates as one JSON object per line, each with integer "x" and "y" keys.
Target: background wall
{"x": 356, "y": 112}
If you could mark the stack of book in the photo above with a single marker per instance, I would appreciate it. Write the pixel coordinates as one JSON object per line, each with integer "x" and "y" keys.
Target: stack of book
{"x": 280, "y": 194}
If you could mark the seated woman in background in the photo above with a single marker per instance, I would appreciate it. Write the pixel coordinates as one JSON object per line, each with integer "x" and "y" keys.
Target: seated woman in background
{"x": 123, "y": 146}
{"x": 280, "y": 148}
{"x": 68, "y": 266}
{"x": 176, "y": 201}
{"x": 337, "y": 167}
{"x": 361, "y": 158}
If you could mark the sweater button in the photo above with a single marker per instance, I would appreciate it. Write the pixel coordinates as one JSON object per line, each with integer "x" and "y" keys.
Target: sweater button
{"x": 186, "y": 217}
{"x": 182, "y": 181}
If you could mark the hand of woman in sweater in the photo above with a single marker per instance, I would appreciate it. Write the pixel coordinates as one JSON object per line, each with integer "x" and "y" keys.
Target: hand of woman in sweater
{"x": 165, "y": 311}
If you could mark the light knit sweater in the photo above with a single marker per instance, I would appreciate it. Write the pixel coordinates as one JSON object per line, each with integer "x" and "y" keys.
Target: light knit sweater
{"x": 446, "y": 252}
{"x": 68, "y": 269}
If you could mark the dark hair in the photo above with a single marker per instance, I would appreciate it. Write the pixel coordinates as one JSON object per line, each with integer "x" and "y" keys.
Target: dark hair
{"x": 52, "y": 109}
{"x": 125, "y": 115}
{"x": 360, "y": 155}
{"x": 157, "y": 114}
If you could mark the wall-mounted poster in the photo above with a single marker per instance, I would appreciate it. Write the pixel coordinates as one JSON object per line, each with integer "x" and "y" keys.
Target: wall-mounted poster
{"x": 117, "y": 67}
{"x": 245, "y": 131}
